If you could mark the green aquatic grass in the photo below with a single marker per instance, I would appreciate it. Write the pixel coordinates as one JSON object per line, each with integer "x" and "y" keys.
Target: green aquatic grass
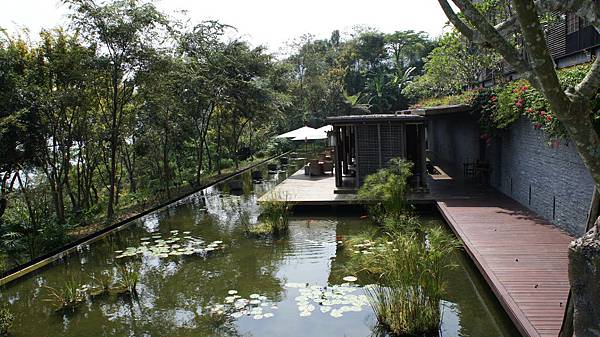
{"x": 66, "y": 297}
{"x": 274, "y": 218}
{"x": 385, "y": 190}
{"x": 409, "y": 268}
{"x": 129, "y": 276}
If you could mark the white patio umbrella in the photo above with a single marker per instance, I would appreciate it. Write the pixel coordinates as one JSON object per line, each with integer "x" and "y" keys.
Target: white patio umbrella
{"x": 326, "y": 128}
{"x": 300, "y": 132}
{"x": 315, "y": 134}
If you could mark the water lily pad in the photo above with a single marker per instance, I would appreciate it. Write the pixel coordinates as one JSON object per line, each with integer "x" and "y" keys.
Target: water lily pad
{"x": 268, "y": 315}
{"x": 237, "y": 315}
{"x": 254, "y": 296}
{"x": 259, "y": 316}
{"x": 325, "y": 309}
{"x": 232, "y": 292}
{"x": 254, "y": 302}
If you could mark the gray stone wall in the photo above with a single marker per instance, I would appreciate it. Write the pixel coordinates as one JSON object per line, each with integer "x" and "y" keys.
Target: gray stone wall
{"x": 551, "y": 181}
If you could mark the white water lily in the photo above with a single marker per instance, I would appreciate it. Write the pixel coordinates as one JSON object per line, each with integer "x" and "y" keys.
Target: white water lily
{"x": 350, "y": 278}
{"x": 232, "y": 292}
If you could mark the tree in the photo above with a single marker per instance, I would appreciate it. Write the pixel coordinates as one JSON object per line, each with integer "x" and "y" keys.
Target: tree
{"x": 573, "y": 107}
{"x": 124, "y": 31}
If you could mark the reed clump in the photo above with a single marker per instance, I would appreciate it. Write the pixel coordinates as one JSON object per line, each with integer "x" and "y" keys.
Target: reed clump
{"x": 274, "y": 218}
{"x": 407, "y": 260}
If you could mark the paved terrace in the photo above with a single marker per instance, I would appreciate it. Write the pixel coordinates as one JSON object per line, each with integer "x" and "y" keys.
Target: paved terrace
{"x": 522, "y": 256}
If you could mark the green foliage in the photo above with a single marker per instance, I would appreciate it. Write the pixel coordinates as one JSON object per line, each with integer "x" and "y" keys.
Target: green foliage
{"x": 67, "y": 297}
{"x": 386, "y": 189}
{"x": 274, "y": 218}
{"x": 505, "y": 103}
{"x": 409, "y": 267}
{"x": 128, "y": 276}
{"x": 466, "y": 97}
{"x": 6, "y": 320}
{"x": 450, "y": 68}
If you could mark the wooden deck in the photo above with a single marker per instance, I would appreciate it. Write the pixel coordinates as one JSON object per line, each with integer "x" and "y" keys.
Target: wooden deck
{"x": 523, "y": 258}
{"x": 303, "y": 190}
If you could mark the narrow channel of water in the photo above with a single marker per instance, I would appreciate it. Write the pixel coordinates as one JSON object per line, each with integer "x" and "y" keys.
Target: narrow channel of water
{"x": 287, "y": 287}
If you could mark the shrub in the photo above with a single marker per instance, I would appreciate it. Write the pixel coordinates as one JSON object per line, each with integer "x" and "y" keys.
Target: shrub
{"x": 386, "y": 190}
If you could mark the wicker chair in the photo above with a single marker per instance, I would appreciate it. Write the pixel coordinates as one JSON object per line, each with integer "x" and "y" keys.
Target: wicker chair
{"x": 314, "y": 168}
{"x": 327, "y": 166}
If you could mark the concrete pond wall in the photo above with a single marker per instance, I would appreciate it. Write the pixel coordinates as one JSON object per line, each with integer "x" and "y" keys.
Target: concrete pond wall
{"x": 549, "y": 180}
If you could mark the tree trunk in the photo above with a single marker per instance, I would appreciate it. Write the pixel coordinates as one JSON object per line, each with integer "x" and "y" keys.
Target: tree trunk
{"x": 584, "y": 274}
{"x": 219, "y": 145}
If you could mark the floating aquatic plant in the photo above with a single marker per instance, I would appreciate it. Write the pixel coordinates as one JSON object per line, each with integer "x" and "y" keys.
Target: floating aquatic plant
{"x": 66, "y": 297}
{"x": 174, "y": 245}
{"x": 235, "y": 306}
{"x": 333, "y": 300}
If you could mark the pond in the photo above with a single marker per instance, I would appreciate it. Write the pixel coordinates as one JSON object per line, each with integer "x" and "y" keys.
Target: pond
{"x": 212, "y": 280}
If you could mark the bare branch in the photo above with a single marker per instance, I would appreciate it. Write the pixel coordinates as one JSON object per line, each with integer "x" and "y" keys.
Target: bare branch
{"x": 508, "y": 27}
{"x": 456, "y": 21}
{"x": 589, "y": 86}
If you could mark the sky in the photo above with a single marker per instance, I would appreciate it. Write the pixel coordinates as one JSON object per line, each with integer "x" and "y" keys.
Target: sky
{"x": 271, "y": 23}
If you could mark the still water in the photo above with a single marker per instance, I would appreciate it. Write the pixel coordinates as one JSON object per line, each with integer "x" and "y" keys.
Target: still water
{"x": 245, "y": 287}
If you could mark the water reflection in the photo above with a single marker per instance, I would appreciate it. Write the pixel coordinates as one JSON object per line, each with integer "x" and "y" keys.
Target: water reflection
{"x": 177, "y": 295}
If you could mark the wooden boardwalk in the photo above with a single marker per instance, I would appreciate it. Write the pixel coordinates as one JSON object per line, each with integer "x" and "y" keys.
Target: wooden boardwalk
{"x": 523, "y": 258}
{"x": 303, "y": 190}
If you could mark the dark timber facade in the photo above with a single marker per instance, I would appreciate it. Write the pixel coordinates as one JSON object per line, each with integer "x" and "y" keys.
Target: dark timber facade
{"x": 365, "y": 143}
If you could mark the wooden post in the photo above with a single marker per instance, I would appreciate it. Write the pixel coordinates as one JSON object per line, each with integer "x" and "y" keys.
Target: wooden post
{"x": 379, "y": 145}
{"x": 357, "y": 180}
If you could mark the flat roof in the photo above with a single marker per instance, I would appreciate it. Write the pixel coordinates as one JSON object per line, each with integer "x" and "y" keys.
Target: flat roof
{"x": 441, "y": 110}
{"x": 375, "y": 118}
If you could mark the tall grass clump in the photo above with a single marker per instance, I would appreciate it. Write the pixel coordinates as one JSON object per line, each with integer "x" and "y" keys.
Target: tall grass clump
{"x": 273, "y": 219}
{"x": 409, "y": 269}
{"x": 128, "y": 278}
{"x": 66, "y": 297}
{"x": 385, "y": 190}
{"x": 408, "y": 262}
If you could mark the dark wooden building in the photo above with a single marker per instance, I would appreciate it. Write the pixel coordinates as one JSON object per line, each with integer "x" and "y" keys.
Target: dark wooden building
{"x": 365, "y": 143}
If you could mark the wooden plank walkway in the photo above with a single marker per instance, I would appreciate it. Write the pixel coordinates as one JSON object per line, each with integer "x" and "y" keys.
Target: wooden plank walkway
{"x": 523, "y": 258}
{"x": 303, "y": 190}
